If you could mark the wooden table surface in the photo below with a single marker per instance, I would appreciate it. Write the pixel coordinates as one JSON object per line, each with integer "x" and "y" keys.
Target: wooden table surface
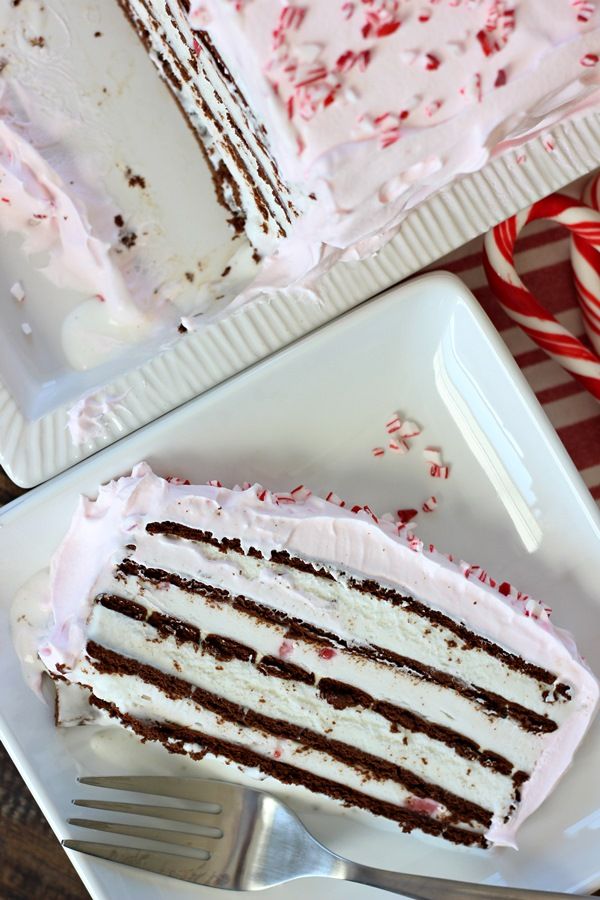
{"x": 33, "y": 865}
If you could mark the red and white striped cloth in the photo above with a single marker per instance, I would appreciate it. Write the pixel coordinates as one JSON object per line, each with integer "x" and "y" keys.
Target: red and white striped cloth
{"x": 542, "y": 259}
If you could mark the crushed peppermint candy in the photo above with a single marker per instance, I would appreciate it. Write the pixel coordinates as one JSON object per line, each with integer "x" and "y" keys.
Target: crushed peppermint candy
{"x": 333, "y": 498}
{"x": 433, "y": 455}
{"x": 422, "y": 805}
{"x": 431, "y": 62}
{"x": 473, "y": 90}
{"x": 439, "y": 471}
{"x": 18, "y": 292}
{"x": 414, "y": 543}
{"x": 406, "y": 515}
{"x": 393, "y": 425}
{"x": 286, "y": 648}
{"x": 430, "y": 504}
{"x": 283, "y": 498}
{"x": 437, "y": 467}
{"x": 380, "y": 18}
{"x": 26, "y": 328}
{"x": 401, "y": 447}
{"x": 327, "y": 653}
{"x": 378, "y": 451}
{"x": 301, "y": 493}
{"x": 433, "y": 107}
{"x": 349, "y": 59}
{"x": 410, "y": 429}
{"x": 585, "y": 9}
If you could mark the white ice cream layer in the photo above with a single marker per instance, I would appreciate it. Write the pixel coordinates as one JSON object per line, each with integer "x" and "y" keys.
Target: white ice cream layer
{"x": 145, "y": 702}
{"x": 384, "y": 682}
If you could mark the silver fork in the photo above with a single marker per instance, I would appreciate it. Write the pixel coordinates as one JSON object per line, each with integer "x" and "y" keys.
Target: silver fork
{"x": 247, "y": 840}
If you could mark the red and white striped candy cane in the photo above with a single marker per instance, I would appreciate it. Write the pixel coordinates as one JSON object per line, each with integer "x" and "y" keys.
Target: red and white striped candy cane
{"x": 585, "y": 261}
{"x": 521, "y": 305}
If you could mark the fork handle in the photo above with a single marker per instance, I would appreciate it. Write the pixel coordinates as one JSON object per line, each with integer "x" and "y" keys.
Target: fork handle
{"x": 420, "y": 887}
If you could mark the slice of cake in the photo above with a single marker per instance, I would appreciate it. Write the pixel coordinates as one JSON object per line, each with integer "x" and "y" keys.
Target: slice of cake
{"x": 326, "y": 120}
{"x": 319, "y": 646}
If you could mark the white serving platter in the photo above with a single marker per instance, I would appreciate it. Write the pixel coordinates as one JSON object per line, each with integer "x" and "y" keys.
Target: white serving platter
{"x": 311, "y": 414}
{"x": 125, "y": 117}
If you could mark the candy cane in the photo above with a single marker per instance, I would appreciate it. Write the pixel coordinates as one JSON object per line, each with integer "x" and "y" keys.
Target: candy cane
{"x": 585, "y": 261}
{"x": 521, "y": 305}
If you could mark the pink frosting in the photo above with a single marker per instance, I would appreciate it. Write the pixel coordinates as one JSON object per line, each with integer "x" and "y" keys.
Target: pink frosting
{"x": 374, "y": 105}
{"x": 35, "y": 203}
{"x": 317, "y": 529}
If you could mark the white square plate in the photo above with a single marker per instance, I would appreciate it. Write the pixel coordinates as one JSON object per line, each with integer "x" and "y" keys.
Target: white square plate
{"x": 109, "y": 98}
{"x": 514, "y": 503}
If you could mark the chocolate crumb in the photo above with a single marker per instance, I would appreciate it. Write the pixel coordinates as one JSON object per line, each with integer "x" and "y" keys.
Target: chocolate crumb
{"x": 256, "y": 256}
{"x": 181, "y": 328}
{"x": 39, "y": 41}
{"x": 119, "y": 220}
{"x": 225, "y": 271}
{"x": 97, "y": 34}
{"x": 189, "y": 276}
{"x": 128, "y": 239}
{"x": 134, "y": 180}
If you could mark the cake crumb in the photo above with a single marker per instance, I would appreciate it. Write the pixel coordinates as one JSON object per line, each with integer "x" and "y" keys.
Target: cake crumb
{"x": 39, "y": 41}
{"x": 134, "y": 180}
{"x": 128, "y": 239}
{"x": 189, "y": 276}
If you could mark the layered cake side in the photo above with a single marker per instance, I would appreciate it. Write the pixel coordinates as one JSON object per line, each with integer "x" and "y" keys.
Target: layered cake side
{"x": 319, "y": 646}
{"x": 246, "y": 177}
{"x": 350, "y": 114}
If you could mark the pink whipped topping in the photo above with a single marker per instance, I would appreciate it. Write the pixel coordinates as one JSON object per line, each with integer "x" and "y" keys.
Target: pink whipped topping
{"x": 52, "y": 220}
{"x": 374, "y": 105}
{"x": 35, "y": 202}
{"x": 87, "y": 419}
{"x": 318, "y": 529}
